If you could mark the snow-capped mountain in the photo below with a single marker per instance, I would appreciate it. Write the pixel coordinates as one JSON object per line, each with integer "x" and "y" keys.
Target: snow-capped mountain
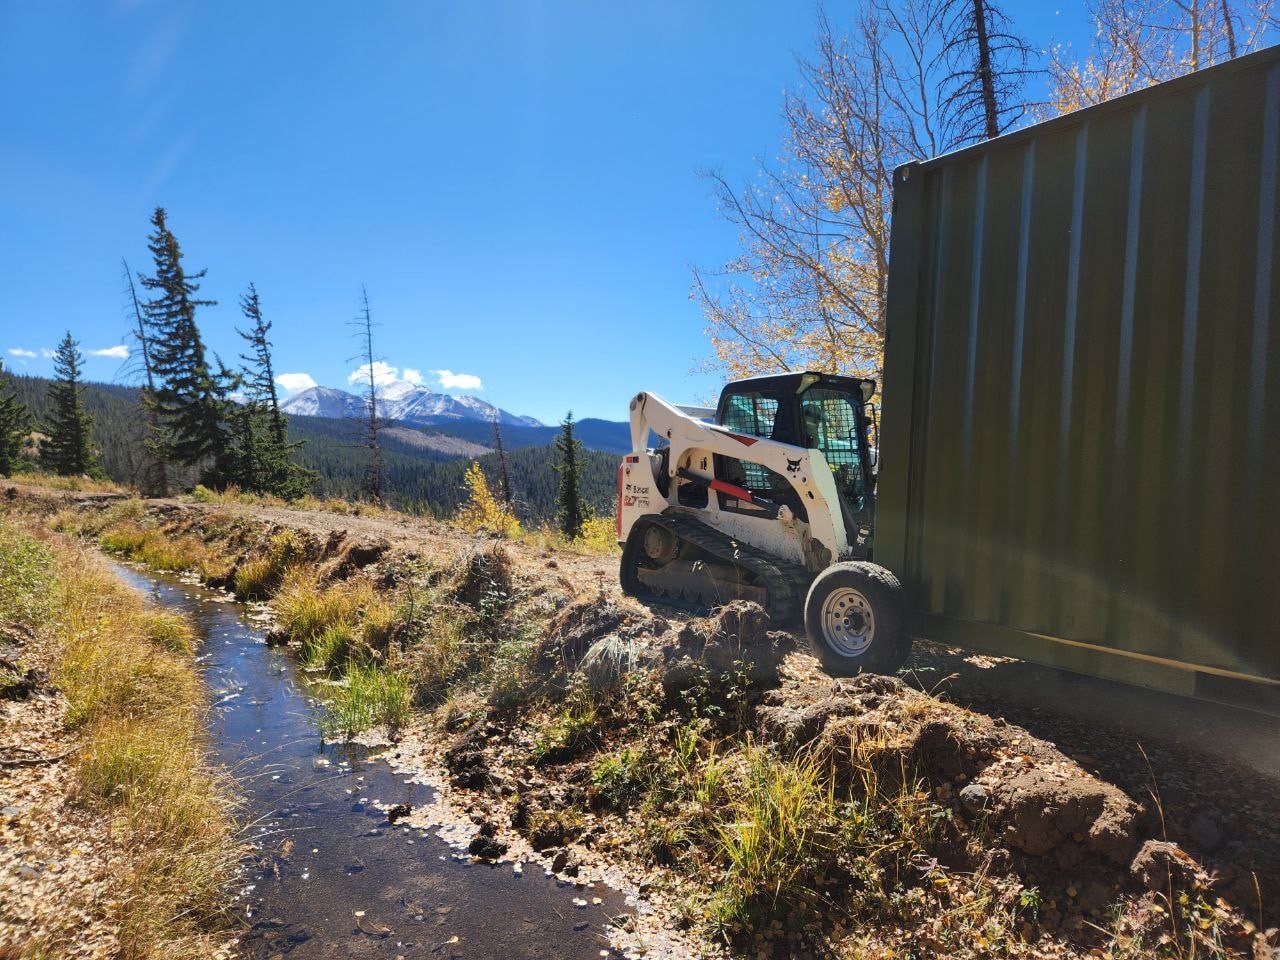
{"x": 324, "y": 402}
{"x": 404, "y": 402}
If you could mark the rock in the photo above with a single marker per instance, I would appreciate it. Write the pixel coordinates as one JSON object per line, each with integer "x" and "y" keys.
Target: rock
{"x": 1205, "y": 833}
{"x": 975, "y": 799}
{"x": 734, "y": 638}
{"x": 1038, "y": 811}
{"x": 1161, "y": 864}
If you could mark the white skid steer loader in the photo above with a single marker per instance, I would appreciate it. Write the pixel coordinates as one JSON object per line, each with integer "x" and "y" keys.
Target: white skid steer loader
{"x": 768, "y": 497}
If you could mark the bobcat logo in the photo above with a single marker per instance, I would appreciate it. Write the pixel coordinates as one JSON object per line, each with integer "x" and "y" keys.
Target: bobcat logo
{"x": 793, "y": 466}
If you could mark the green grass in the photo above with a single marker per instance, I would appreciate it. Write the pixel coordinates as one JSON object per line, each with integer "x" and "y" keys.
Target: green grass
{"x": 369, "y": 696}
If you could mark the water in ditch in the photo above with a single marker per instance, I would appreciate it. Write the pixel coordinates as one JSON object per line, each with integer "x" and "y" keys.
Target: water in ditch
{"x": 331, "y": 876}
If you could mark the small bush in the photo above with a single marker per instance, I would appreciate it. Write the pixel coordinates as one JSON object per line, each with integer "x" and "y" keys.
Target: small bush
{"x": 483, "y": 511}
{"x": 778, "y": 834}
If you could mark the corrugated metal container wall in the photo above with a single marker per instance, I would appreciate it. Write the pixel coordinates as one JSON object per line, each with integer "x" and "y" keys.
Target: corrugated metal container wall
{"x": 1081, "y": 444}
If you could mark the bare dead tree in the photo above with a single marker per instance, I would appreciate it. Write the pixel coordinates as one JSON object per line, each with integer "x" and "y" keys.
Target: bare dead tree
{"x": 504, "y": 473}
{"x": 988, "y": 66}
{"x": 371, "y": 424}
{"x": 155, "y": 473}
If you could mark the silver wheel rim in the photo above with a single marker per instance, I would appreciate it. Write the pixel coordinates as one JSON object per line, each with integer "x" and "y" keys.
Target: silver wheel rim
{"x": 848, "y": 624}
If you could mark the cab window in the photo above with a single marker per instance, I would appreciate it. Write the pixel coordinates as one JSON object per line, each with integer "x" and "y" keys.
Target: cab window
{"x": 831, "y": 426}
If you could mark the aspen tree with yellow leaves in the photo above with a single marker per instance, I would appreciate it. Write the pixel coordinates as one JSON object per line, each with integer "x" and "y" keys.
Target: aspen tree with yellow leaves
{"x": 808, "y": 289}
{"x": 483, "y": 511}
{"x": 1137, "y": 43}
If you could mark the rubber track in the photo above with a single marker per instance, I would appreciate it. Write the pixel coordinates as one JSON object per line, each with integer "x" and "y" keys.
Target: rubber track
{"x": 787, "y": 583}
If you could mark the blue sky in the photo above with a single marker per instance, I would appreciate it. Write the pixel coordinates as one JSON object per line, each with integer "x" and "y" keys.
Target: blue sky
{"x": 516, "y": 183}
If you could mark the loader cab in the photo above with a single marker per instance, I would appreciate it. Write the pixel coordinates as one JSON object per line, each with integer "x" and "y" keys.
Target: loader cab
{"x": 817, "y": 411}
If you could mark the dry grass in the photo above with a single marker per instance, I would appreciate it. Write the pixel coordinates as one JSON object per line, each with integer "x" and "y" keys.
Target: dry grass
{"x": 135, "y": 707}
{"x": 133, "y": 540}
{"x": 83, "y": 484}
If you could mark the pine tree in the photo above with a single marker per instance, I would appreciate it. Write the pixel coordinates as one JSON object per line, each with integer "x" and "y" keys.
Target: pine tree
{"x": 15, "y": 424}
{"x": 67, "y": 450}
{"x": 267, "y": 461}
{"x": 192, "y": 405}
{"x": 569, "y": 511}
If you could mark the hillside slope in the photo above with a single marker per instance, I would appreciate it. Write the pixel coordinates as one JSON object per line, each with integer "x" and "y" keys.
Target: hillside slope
{"x": 966, "y": 808}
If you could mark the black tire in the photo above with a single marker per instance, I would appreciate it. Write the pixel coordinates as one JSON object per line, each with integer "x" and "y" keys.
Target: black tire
{"x": 856, "y": 618}
{"x": 631, "y": 553}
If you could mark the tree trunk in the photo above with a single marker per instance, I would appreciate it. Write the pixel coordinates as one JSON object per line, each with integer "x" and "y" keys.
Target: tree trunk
{"x": 986, "y": 77}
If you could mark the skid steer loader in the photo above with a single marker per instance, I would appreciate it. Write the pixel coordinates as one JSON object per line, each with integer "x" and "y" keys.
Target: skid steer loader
{"x": 768, "y": 497}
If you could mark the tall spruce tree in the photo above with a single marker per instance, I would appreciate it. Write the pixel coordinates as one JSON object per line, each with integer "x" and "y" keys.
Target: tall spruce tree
{"x": 15, "y": 424}
{"x": 261, "y": 426}
{"x": 569, "y": 509}
{"x": 67, "y": 450}
{"x": 191, "y": 402}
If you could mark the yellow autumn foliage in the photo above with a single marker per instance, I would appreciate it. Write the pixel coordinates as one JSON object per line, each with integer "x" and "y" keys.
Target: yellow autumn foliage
{"x": 483, "y": 511}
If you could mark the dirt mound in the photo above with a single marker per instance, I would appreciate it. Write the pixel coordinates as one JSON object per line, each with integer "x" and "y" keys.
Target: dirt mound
{"x": 734, "y": 639}
{"x": 578, "y": 626}
{"x": 466, "y": 760}
{"x": 1031, "y": 798}
{"x": 1057, "y": 807}
{"x": 484, "y": 575}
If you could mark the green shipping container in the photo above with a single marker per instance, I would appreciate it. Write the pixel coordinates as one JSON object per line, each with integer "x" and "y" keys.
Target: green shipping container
{"x": 1080, "y": 455}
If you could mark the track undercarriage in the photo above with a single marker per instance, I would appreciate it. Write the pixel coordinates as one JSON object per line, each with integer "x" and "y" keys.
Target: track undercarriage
{"x": 680, "y": 561}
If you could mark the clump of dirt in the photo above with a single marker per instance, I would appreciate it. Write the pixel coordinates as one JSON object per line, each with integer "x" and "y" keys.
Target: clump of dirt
{"x": 1052, "y": 806}
{"x": 346, "y": 556}
{"x": 580, "y": 624}
{"x": 485, "y": 573}
{"x": 735, "y": 639}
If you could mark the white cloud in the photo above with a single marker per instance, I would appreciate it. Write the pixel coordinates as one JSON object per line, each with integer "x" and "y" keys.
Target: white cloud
{"x": 296, "y": 382}
{"x": 19, "y": 352}
{"x": 413, "y": 376}
{"x": 383, "y": 373}
{"x": 118, "y": 352}
{"x": 46, "y": 353}
{"x": 458, "y": 381}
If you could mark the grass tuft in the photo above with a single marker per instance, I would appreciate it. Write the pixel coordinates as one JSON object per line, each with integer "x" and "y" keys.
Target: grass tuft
{"x": 370, "y": 696}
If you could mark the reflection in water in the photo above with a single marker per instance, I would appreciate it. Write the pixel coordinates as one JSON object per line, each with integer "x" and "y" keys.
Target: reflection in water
{"x": 331, "y": 875}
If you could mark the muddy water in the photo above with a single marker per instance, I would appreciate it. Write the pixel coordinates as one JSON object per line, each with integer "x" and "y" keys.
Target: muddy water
{"x": 331, "y": 875}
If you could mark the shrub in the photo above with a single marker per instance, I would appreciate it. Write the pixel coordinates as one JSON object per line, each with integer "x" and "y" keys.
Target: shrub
{"x": 483, "y": 511}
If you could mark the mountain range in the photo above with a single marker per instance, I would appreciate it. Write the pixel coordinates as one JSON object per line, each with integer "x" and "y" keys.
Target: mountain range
{"x": 403, "y": 402}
